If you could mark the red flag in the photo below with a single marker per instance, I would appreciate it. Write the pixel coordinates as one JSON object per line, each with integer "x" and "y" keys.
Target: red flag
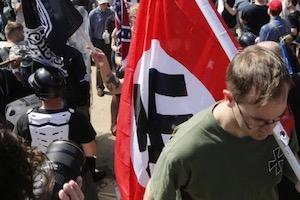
{"x": 123, "y": 29}
{"x": 176, "y": 67}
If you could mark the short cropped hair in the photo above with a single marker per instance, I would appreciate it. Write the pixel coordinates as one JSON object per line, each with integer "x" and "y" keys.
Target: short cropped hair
{"x": 275, "y": 12}
{"x": 12, "y": 31}
{"x": 259, "y": 69}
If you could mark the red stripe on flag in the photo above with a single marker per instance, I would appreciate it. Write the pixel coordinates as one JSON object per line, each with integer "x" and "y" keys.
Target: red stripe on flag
{"x": 126, "y": 178}
{"x": 288, "y": 122}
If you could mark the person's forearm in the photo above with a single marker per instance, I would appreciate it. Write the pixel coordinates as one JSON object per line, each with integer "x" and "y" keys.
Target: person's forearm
{"x": 90, "y": 149}
{"x": 231, "y": 10}
{"x": 110, "y": 80}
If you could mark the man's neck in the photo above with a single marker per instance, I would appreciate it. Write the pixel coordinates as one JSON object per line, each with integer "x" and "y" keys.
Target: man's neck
{"x": 53, "y": 104}
{"x": 275, "y": 17}
{"x": 224, "y": 116}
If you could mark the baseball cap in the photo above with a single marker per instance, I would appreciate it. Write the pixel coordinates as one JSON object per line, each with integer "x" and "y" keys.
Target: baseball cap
{"x": 103, "y": 1}
{"x": 275, "y": 5}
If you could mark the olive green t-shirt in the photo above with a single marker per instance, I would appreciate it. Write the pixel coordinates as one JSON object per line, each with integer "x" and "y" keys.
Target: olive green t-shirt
{"x": 203, "y": 161}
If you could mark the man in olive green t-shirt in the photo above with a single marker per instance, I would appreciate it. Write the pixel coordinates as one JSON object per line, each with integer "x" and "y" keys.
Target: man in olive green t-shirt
{"x": 227, "y": 152}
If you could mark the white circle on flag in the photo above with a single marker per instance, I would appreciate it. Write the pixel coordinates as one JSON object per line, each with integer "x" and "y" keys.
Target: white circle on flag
{"x": 198, "y": 98}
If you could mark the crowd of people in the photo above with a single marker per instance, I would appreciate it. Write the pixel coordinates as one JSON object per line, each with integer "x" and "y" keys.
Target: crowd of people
{"x": 227, "y": 146}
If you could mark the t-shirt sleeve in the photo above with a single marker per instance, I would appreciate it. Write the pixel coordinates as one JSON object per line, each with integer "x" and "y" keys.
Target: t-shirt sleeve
{"x": 168, "y": 177}
{"x": 81, "y": 130}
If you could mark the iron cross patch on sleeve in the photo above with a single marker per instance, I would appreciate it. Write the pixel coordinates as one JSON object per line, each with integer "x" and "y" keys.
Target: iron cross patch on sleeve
{"x": 276, "y": 164}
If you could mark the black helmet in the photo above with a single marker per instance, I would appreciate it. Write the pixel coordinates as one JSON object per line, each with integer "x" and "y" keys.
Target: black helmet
{"x": 247, "y": 39}
{"x": 26, "y": 61}
{"x": 47, "y": 82}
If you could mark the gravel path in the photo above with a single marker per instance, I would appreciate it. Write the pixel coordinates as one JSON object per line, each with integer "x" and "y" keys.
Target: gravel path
{"x": 100, "y": 118}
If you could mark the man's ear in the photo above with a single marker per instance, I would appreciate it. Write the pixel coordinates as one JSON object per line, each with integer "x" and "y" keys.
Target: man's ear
{"x": 228, "y": 98}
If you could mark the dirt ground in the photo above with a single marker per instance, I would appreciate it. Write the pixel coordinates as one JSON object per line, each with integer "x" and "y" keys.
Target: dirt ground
{"x": 100, "y": 118}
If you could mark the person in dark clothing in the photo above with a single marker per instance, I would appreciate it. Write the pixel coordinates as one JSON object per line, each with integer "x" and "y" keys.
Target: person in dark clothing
{"x": 251, "y": 14}
{"x": 294, "y": 17}
{"x": 10, "y": 90}
{"x": 98, "y": 17}
{"x": 229, "y": 17}
{"x": 54, "y": 120}
{"x": 110, "y": 26}
{"x": 91, "y": 5}
{"x": 235, "y": 11}
{"x": 294, "y": 21}
{"x": 78, "y": 86}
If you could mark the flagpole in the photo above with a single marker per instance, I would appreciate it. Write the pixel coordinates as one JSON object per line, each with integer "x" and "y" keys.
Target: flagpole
{"x": 282, "y": 140}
